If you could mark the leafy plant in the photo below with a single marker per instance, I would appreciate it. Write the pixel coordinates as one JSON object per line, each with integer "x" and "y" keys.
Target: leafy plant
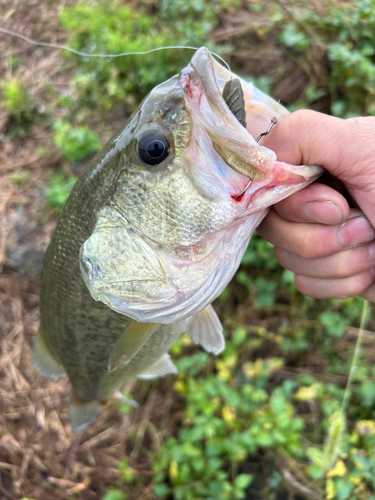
{"x": 113, "y": 494}
{"x": 332, "y": 42}
{"x": 17, "y": 101}
{"x": 114, "y": 28}
{"x": 59, "y": 190}
{"x": 75, "y": 143}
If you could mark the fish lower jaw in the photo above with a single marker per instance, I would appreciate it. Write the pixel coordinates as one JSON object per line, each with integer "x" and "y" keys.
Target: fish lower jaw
{"x": 280, "y": 184}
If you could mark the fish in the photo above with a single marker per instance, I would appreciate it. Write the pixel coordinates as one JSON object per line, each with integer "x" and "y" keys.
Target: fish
{"x": 153, "y": 232}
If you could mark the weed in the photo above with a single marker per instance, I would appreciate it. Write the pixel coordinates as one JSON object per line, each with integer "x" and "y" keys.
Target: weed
{"x": 75, "y": 143}
{"x": 17, "y": 101}
{"x": 58, "y": 191}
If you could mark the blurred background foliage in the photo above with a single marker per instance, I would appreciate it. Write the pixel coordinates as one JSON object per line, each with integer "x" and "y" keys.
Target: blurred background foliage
{"x": 263, "y": 420}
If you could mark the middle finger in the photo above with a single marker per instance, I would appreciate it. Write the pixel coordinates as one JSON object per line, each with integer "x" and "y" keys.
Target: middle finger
{"x": 313, "y": 241}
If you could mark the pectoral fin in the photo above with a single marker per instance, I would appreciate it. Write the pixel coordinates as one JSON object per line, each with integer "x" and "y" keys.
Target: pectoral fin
{"x": 129, "y": 343}
{"x": 163, "y": 366}
{"x": 206, "y": 330}
{"x": 44, "y": 361}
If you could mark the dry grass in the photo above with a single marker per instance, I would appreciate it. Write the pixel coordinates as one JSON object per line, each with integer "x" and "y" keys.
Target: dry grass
{"x": 40, "y": 456}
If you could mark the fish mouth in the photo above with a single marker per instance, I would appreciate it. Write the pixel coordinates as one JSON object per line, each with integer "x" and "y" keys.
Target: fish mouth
{"x": 255, "y": 171}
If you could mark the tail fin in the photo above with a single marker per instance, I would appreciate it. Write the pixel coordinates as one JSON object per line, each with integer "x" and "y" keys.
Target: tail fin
{"x": 82, "y": 414}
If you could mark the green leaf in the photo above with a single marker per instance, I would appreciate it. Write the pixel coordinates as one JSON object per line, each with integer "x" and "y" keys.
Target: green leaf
{"x": 115, "y": 495}
{"x": 75, "y": 143}
{"x": 266, "y": 290}
{"x": 59, "y": 190}
{"x": 242, "y": 481}
{"x": 333, "y": 322}
{"x": 315, "y": 472}
{"x": 264, "y": 439}
{"x": 287, "y": 278}
{"x": 161, "y": 490}
{"x": 278, "y": 402}
{"x": 240, "y": 336}
{"x": 367, "y": 393}
{"x": 343, "y": 489}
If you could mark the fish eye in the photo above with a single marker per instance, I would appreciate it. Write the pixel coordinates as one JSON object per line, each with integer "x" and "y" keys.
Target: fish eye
{"x": 153, "y": 148}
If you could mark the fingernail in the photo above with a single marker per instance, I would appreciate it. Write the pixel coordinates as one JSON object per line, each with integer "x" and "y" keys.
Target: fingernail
{"x": 323, "y": 212}
{"x": 354, "y": 232}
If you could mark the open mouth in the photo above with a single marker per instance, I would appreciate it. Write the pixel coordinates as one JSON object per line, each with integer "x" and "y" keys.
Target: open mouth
{"x": 204, "y": 82}
{"x": 234, "y": 124}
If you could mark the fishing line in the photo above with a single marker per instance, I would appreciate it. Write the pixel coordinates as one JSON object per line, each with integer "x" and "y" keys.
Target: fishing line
{"x": 354, "y": 366}
{"x": 85, "y": 54}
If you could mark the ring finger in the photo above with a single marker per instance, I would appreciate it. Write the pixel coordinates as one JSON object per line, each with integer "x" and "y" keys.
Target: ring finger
{"x": 337, "y": 266}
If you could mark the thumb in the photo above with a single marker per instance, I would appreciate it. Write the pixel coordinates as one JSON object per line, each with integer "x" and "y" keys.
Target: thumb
{"x": 346, "y": 148}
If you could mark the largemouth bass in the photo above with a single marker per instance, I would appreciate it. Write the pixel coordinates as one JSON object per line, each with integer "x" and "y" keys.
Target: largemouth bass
{"x": 154, "y": 230}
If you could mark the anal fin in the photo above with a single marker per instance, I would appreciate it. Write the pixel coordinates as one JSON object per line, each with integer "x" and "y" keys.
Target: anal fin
{"x": 82, "y": 414}
{"x": 163, "y": 366}
{"x": 206, "y": 329}
{"x": 44, "y": 361}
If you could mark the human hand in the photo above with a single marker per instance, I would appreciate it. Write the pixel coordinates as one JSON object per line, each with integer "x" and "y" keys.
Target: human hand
{"x": 325, "y": 258}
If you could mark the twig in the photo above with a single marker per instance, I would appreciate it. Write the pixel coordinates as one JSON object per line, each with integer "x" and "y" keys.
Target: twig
{"x": 72, "y": 454}
{"x": 142, "y": 430}
{"x": 354, "y": 365}
{"x": 7, "y": 493}
{"x": 292, "y": 481}
{"x": 3, "y": 465}
{"x": 79, "y": 487}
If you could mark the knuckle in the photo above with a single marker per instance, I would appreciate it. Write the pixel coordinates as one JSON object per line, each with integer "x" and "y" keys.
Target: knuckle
{"x": 282, "y": 257}
{"x": 302, "y": 284}
{"x": 351, "y": 262}
{"x": 342, "y": 267}
{"x": 304, "y": 117}
{"x": 307, "y": 246}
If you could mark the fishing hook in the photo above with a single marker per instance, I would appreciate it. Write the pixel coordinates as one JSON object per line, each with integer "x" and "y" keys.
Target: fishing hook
{"x": 272, "y": 124}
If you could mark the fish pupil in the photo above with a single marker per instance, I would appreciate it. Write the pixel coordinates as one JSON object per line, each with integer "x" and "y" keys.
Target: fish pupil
{"x": 153, "y": 148}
